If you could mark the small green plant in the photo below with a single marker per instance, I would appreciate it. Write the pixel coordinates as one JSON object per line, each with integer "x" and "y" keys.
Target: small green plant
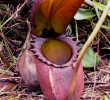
{"x": 5, "y": 44}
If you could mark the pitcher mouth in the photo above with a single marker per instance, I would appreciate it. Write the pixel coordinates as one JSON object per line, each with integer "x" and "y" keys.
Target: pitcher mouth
{"x": 38, "y": 43}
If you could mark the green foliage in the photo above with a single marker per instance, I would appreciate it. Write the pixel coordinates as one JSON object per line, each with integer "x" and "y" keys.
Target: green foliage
{"x": 89, "y": 58}
{"x": 70, "y": 28}
{"x": 5, "y": 44}
{"x": 100, "y": 6}
{"x": 76, "y": 28}
{"x": 84, "y": 14}
{"x": 106, "y": 27}
{"x": 106, "y": 98}
{"x": 3, "y": 72}
{"x": 103, "y": 1}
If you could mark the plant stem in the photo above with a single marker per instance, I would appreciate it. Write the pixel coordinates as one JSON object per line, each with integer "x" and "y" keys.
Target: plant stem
{"x": 7, "y": 63}
{"x": 84, "y": 49}
{"x": 7, "y": 47}
{"x": 3, "y": 57}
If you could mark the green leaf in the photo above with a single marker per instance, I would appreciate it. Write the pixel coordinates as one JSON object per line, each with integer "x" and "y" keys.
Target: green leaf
{"x": 106, "y": 27}
{"x": 89, "y": 58}
{"x": 76, "y": 28}
{"x": 70, "y": 28}
{"x": 106, "y": 98}
{"x": 101, "y": 7}
{"x": 84, "y": 14}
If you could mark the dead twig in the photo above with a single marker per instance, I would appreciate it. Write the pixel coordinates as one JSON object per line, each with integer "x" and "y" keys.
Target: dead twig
{"x": 14, "y": 14}
{"x": 90, "y": 3}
